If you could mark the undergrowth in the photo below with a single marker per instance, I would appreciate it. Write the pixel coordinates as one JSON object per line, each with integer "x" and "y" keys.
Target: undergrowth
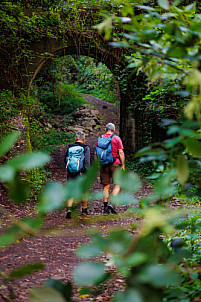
{"x": 50, "y": 141}
{"x": 143, "y": 169}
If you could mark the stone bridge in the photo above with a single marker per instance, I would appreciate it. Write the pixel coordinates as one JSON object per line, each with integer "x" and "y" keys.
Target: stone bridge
{"x": 93, "y": 45}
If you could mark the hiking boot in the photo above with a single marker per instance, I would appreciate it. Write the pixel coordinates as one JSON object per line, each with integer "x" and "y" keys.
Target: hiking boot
{"x": 68, "y": 215}
{"x": 111, "y": 209}
{"x": 106, "y": 210}
{"x": 84, "y": 211}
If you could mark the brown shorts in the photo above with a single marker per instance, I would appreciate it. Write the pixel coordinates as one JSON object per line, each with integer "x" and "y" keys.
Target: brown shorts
{"x": 106, "y": 174}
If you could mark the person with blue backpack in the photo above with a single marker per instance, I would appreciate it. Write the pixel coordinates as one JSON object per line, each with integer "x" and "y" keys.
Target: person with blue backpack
{"x": 77, "y": 160}
{"x": 110, "y": 153}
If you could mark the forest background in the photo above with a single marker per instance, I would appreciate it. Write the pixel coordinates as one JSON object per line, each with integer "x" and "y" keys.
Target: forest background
{"x": 162, "y": 262}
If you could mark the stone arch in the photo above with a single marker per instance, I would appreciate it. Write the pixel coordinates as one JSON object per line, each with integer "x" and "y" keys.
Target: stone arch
{"x": 46, "y": 48}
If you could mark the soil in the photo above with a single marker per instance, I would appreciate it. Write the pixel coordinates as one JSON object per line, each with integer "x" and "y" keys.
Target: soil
{"x": 56, "y": 245}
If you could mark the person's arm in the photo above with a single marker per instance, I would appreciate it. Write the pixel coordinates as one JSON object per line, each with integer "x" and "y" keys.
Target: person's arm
{"x": 87, "y": 158}
{"x": 66, "y": 156}
{"x": 122, "y": 158}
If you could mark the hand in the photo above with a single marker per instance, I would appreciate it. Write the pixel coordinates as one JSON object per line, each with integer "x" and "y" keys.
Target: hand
{"x": 123, "y": 167}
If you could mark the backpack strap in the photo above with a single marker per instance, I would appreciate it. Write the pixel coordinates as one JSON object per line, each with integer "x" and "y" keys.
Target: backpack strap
{"x": 111, "y": 136}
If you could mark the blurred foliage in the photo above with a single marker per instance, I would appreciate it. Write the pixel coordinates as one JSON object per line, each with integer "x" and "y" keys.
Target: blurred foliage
{"x": 156, "y": 264}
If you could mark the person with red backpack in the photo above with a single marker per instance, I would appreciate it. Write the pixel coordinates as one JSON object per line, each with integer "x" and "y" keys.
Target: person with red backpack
{"x": 77, "y": 160}
{"x": 110, "y": 153}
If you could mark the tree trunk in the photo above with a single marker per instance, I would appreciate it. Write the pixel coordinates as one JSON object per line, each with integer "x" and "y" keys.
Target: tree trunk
{"x": 129, "y": 124}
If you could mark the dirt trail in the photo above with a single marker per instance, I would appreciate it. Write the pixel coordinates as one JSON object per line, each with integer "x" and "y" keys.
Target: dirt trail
{"x": 57, "y": 248}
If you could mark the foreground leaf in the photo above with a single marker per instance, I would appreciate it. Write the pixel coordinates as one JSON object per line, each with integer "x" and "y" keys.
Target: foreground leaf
{"x": 7, "y": 142}
{"x": 129, "y": 295}
{"x": 123, "y": 198}
{"x": 193, "y": 146}
{"x": 127, "y": 181}
{"x": 26, "y": 270}
{"x": 52, "y": 198}
{"x": 182, "y": 169}
{"x": 88, "y": 251}
{"x": 45, "y": 294}
{"x": 7, "y": 173}
{"x": 164, "y": 4}
{"x": 160, "y": 275}
{"x": 64, "y": 289}
{"x": 89, "y": 273}
{"x": 29, "y": 161}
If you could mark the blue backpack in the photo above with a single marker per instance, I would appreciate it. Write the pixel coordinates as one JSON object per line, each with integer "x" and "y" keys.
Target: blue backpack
{"x": 104, "y": 150}
{"x": 75, "y": 159}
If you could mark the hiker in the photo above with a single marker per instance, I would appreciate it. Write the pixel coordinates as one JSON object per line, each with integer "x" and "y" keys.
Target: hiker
{"x": 109, "y": 151}
{"x": 77, "y": 160}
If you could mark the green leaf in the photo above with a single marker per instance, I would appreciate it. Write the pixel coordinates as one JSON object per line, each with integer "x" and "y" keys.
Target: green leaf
{"x": 7, "y": 238}
{"x": 118, "y": 241}
{"x": 90, "y": 176}
{"x": 105, "y": 26}
{"x": 149, "y": 8}
{"x": 29, "y": 161}
{"x": 148, "y": 34}
{"x": 136, "y": 259}
{"x": 172, "y": 142}
{"x": 26, "y": 270}
{"x": 123, "y": 198}
{"x": 160, "y": 275}
{"x": 88, "y": 251}
{"x": 130, "y": 295}
{"x": 194, "y": 164}
{"x": 122, "y": 44}
{"x": 51, "y": 198}
{"x": 164, "y": 4}
{"x": 191, "y": 7}
{"x": 95, "y": 195}
{"x": 7, "y": 142}
{"x": 89, "y": 273}
{"x": 18, "y": 190}
{"x": 75, "y": 188}
{"x": 7, "y": 173}
{"x": 80, "y": 186}
{"x": 182, "y": 169}
{"x": 64, "y": 289}
{"x": 45, "y": 294}
{"x": 99, "y": 240}
{"x": 143, "y": 152}
{"x": 128, "y": 181}
{"x": 193, "y": 146}
{"x": 164, "y": 186}
{"x": 85, "y": 291}
{"x": 177, "y": 52}
{"x": 18, "y": 230}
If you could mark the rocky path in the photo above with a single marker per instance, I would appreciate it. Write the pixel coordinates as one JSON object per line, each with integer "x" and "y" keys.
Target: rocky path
{"x": 56, "y": 246}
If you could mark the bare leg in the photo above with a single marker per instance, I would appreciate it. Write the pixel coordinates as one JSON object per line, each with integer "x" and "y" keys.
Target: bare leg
{"x": 84, "y": 203}
{"x": 116, "y": 190}
{"x": 109, "y": 208}
{"x": 70, "y": 202}
{"x": 106, "y": 189}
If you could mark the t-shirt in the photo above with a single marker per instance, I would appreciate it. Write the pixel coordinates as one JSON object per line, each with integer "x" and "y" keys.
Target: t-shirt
{"x": 116, "y": 144}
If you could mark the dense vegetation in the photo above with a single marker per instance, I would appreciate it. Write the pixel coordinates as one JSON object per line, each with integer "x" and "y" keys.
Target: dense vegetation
{"x": 162, "y": 261}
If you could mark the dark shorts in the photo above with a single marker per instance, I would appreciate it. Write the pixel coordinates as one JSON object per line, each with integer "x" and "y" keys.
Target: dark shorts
{"x": 71, "y": 176}
{"x": 106, "y": 174}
